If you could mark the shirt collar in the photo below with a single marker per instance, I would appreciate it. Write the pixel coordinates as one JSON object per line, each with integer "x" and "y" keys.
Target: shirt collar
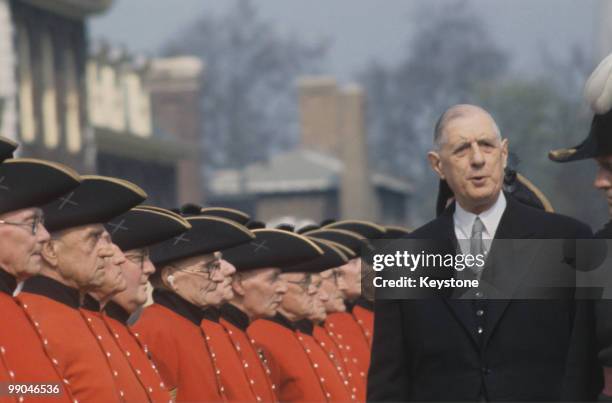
{"x": 212, "y": 314}
{"x": 283, "y": 321}
{"x": 178, "y": 305}
{"x": 90, "y": 303}
{"x": 50, "y": 288}
{"x": 464, "y": 220}
{"x": 235, "y": 316}
{"x": 304, "y": 326}
{"x": 117, "y": 312}
{"x": 8, "y": 283}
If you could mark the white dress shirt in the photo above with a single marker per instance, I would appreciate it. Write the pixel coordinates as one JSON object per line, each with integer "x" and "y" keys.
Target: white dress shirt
{"x": 464, "y": 221}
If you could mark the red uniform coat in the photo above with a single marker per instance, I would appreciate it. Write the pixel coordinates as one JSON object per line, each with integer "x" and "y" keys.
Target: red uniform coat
{"x": 357, "y": 384}
{"x": 255, "y": 362}
{"x": 232, "y": 369}
{"x": 22, "y": 357}
{"x": 305, "y": 371}
{"x": 171, "y": 330}
{"x": 53, "y": 309}
{"x": 129, "y": 385}
{"x": 345, "y": 331}
{"x": 115, "y": 319}
{"x": 363, "y": 312}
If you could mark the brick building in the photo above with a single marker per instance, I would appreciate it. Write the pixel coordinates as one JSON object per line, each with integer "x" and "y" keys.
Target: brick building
{"x": 327, "y": 176}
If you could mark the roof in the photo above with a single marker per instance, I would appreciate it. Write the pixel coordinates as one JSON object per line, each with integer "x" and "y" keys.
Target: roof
{"x": 294, "y": 171}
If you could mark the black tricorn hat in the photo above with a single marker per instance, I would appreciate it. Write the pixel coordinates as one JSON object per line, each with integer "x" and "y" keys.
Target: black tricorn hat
{"x": 349, "y": 239}
{"x": 331, "y": 257}
{"x": 7, "y": 147}
{"x": 598, "y": 142}
{"x": 307, "y": 228}
{"x": 396, "y": 231}
{"x": 26, "y": 182}
{"x": 207, "y": 235}
{"x": 367, "y": 229}
{"x": 143, "y": 226}
{"x": 190, "y": 209}
{"x": 598, "y": 93}
{"x": 272, "y": 248}
{"x": 96, "y": 201}
{"x": 515, "y": 184}
{"x": 255, "y": 224}
{"x": 225, "y": 212}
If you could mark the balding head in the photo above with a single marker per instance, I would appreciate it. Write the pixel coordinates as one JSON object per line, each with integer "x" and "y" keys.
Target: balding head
{"x": 457, "y": 112}
{"x": 470, "y": 156}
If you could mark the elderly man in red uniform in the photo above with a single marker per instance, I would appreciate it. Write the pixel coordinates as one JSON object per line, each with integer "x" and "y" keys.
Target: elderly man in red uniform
{"x": 22, "y": 356}
{"x": 134, "y": 232}
{"x": 305, "y": 371}
{"x": 74, "y": 262}
{"x": 349, "y": 331}
{"x": 258, "y": 291}
{"x": 187, "y": 269}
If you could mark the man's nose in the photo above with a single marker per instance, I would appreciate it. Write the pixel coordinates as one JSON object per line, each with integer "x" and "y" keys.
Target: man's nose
{"x": 118, "y": 256}
{"x": 42, "y": 235}
{"x": 106, "y": 251}
{"x": 281, "y": 286}
{"x": 602, "y": 179}
{"x": 477, "y": 158}
{"x": 323, "y": 296}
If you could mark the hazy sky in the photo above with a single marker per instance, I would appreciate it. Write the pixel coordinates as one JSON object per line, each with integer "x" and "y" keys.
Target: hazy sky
{"x": 363, "y": 30}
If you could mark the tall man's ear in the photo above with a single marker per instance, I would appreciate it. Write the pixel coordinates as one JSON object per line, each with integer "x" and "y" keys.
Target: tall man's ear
{"x": 504, "y": 145}
{"x": 237, "y": 285}
{"x": 436, "y": 163}
{"x": 49, "y": 252}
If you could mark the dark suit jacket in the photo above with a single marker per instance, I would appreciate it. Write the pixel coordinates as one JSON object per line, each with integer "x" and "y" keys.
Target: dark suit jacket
{"x": 429, "y": 349}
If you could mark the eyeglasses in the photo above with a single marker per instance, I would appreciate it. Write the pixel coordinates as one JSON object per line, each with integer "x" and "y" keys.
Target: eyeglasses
{"x": 138, "y": 258}
{"x": 304, "y": 284}
{"x": 38, "y": 220}
{"x": 210, "y": 268}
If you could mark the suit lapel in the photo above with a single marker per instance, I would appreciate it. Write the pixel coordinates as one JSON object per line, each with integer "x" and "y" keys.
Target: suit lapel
{"x": 508, "y": 263}
{"x": 461, "y": 308}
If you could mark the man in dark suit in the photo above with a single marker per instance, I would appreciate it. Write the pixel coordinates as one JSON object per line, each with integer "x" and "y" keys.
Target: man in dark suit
{"x": 500, "y": 343}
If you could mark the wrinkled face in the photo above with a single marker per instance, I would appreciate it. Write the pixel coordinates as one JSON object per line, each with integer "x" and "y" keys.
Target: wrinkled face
{"x": 203, "y": 280}
{"x": 263, "y": 292}
{"x": 136, "y": 269}
{"x": 297, "y": 301}
{"x": 472, "y": 159}
{"x": 81, "y": 254}
{"x": 335, "y": 293}
{"x": 603, "y": 179}
{"x": 113, "y": 281}
{"x": 319, "y": 299}
{"x": 349, "y": 279}
{"x": 19, "y": 248}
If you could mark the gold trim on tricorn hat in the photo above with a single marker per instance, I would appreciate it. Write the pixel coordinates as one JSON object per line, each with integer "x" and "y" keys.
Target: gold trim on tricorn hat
{"x": 96, "y": 201}
{"x": 226, "y": 212}
{"x": 331, "y": 257}
{"x": 352, "y": 240}
{"x": 272, "y": 248}
{"x": 207, "y": 235}
{"x": 141, "y": 227}
{"x": 29, "y": 182}
{"x": 367, "y": 229}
